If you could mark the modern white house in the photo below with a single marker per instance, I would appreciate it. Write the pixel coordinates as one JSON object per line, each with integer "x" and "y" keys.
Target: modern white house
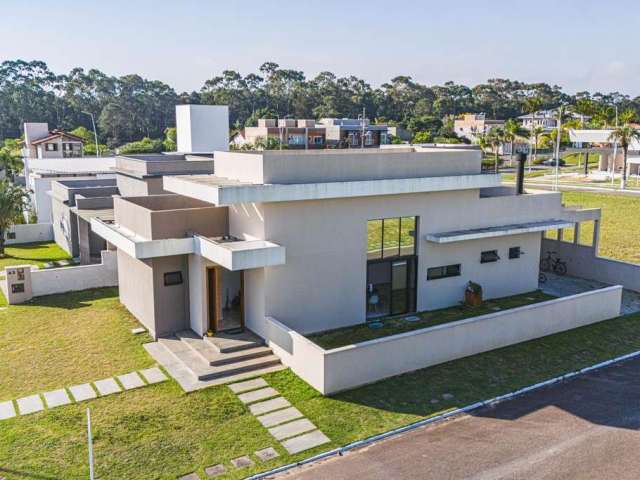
{"x": 611, "y": 156}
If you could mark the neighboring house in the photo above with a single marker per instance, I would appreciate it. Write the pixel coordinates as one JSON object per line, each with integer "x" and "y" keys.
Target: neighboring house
{"x": 599, "y": 141}
{"x": 547, "y": 119}
{"x": 400, "y": 133}
{"x": 472, "y": 125}
{"x": 323, "y": 240}
{"x": 311, "y": 135}
{"x": 40, "y": 142}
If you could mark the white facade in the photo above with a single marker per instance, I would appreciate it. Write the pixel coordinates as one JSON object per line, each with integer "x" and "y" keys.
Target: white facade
{"x": 202, "y": 128}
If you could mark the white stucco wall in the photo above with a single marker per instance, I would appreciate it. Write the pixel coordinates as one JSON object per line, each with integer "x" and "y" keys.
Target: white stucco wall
{"x": 67, "y": 279}
{"x": 30, "y": 233}
{"x": 326, "y": 252}
{"x": 331, "y": 371}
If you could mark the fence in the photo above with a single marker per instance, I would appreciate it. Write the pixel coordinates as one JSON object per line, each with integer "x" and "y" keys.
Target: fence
{"x": 29, "y": 233}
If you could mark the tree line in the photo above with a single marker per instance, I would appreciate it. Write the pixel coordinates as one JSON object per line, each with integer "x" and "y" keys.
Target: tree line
{"x": 131, "y": 108}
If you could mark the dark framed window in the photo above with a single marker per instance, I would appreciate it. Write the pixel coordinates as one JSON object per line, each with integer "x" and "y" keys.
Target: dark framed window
{"x": 11, "y": 235}
{"x": 172, "y": 278}
{"x": 391, "y": 237}
{"x": 489, "y": 256}
{"x": 436, "y": 273}
{"x": 51, "y": 147}
{"x": 514, "y": 252}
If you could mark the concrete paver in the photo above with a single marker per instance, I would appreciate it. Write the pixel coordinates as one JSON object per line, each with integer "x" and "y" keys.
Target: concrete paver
{"x": 107, "y": 386}
{"x": 267, "y": 454}
{"x": 7, "y": 410}
{"x": 153, "y": 375}
{"x": 292, "y": 429}
{"x": 248, "y": 385}
{"x": 56, "y": 398}
{"x": 269, "y": 405}
{"x": 82, "y": 392}
{"x": 280, "y": 416}
{"x": 305, "y": 442}
{"x": 30, "y": 404}
{"x": 131, "y": 380}
{"x": 215, "y": 470}
{"x": 256, "y": 395}
{"x": 242, "y": 462}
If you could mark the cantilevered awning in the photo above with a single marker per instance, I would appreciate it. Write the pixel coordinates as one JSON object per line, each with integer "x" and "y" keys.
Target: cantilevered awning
{"x": 498, "y": 231}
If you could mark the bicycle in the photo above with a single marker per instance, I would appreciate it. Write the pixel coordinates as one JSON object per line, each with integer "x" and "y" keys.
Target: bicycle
{"x": 551, "y": 264}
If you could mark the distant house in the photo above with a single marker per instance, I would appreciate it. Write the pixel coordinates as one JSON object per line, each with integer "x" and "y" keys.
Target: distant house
{"x": 304, "y": 134}
{"x": 547, "y": 119}
{"x": 40, "y": 142}
{"x": 472, "y": 125}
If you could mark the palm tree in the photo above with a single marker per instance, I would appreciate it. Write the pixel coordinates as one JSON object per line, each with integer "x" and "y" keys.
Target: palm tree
{"x": 13, "y": 201}
{"x": 512, "y": 131}
{"x": 624, "y": 135}
{"x": 495, "y": 137}
{"x": 535, "y": 134}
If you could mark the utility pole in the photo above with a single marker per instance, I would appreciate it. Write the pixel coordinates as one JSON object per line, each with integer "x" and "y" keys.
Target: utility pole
{"x": 90, "y": 440}
{"x": 557, "y": 173}
{"x": 363, "y": 117}
{"x": 95, "y": 133}
{"x": 615, "y": 153}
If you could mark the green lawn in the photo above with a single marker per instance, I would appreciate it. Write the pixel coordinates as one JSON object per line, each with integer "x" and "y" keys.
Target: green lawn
{"x": 159, "y": 432}
{"x": 396, "y": 324}
{"x": 620, "y": 229}
{"x": 62, "y": 340}
{"x": 32, "y": 254}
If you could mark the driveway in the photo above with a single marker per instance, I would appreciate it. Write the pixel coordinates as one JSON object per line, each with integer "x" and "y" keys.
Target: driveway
{"x": 586, "y": 428}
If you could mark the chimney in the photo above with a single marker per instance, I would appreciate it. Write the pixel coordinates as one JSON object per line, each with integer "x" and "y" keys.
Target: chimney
{"x": 521, "y": 159}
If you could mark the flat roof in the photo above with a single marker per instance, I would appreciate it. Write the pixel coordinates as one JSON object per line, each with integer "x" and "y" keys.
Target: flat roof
{"x": 496, "y": 231}
{"x": 104, "y": 214}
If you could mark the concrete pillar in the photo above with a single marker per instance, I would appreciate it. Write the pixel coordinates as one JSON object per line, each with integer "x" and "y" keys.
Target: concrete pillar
{"x": 596, "y": 236}
{"x": 576, "y": 232}
{"x": 18, "y": 284}
{"x": 603, "y": 162}
{"x": 560, "y": 231}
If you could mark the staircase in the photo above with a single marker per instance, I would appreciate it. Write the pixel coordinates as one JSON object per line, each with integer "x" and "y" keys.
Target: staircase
{"x": 197, "y": 362}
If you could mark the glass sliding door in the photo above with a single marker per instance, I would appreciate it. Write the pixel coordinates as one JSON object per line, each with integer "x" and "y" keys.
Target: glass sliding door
{"x": 391, "y": 266}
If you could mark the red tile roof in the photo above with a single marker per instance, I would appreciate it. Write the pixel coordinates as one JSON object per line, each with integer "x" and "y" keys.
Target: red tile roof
{"x": 57, "y": 134}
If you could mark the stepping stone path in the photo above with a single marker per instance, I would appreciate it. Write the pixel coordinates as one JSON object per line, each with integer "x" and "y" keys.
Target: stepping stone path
{"x": 283, "y": 421}
{"x": 30, "y": 404}
{"x": 215, "y": 470}
{"x": 56, "y": 398}
{"x": 79, "y": 393}
{"x": 242, "y": 462}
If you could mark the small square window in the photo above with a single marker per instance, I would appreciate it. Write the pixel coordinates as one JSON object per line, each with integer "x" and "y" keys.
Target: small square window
{"x": 489, "y": 256}
{"x": 11, "y": 235}
{"x": 172, "y": 278}
{"x": 514, "y": 252}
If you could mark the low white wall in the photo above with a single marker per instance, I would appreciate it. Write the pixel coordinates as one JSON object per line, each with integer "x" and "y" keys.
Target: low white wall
{"x": 583, "y": 262}
{"x": 300, "y": 354}
{"x": 67, "y": 279}
{"x": 31, "y": 232}
{"x": 331, "y": 371}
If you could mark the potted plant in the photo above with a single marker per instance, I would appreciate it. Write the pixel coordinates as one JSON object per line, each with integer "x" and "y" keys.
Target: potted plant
{"x": 473, "y": 294}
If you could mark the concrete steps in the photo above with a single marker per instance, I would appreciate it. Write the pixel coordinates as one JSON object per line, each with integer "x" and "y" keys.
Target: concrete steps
{"x": 201, "y": 359}
{"x": 234, "y": 342}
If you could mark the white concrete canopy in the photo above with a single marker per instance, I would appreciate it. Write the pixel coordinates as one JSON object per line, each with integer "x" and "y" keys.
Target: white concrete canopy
{"x": 242, "y": 254}
{"x": 222, "y": 191}
{"x": 497, "y": 231}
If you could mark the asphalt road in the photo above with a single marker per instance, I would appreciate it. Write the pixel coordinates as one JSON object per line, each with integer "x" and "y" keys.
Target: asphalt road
{"x": 587, "y": 428}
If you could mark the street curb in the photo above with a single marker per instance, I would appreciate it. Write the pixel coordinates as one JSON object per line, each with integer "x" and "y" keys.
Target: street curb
{"x": 443, "y": 416}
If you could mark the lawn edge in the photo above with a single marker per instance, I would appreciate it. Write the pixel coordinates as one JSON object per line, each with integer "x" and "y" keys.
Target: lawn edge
{"x": 442, "y": 416}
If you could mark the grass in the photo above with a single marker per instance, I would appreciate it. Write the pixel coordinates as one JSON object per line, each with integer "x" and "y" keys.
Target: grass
{"x": 620, "y": 228}
{"x": 340, "y": 337}
{"x": 32, "y": 254}
{"x": 62, "y": 340}
{"x": 159, "y": 432}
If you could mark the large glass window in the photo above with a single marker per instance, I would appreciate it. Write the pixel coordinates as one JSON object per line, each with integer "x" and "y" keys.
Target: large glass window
{"x": 391, "y": 237}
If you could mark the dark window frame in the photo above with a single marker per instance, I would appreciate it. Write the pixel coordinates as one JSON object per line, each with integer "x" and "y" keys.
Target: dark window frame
{"x": 51, "y": 147}
{"x": 413, "y": 233}
{"x": 173, "y": 278}
{"x": 448, "y": 271}
{"x": 515, "y": 253}
{"x": 489, "y": 256}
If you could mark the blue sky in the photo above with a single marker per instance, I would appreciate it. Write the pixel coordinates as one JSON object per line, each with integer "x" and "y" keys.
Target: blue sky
{"x": 580, "y": 45}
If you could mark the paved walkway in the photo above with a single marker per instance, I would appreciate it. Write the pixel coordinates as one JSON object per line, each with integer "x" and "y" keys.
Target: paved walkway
{"x": 283, "y": 421}
{"x": 586, "y": 428}
{"x": 79, "y": 393}
{"x": 562, "y": 286}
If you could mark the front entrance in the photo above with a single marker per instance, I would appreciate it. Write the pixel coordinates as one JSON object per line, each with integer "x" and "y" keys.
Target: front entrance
{"x": 391, "y": 287}
{"x": 225, "y": 294}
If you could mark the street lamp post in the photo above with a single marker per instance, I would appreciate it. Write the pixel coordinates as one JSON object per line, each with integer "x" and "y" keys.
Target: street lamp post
{"x": 95, "y": 133}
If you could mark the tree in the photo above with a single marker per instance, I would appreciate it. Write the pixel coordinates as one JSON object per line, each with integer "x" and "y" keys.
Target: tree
{"x": 535, "y": 134}
{"x": 146, "y": 145}
{"x": 13, "y": 201}
{"x": 512, "y": 131}
{"x": 11, "y": 157}
{"x": 422, "y": 137}
{"x": 170, "y": 142}
{"x": 624, "y": 135}
{"x": 495, "y": 138}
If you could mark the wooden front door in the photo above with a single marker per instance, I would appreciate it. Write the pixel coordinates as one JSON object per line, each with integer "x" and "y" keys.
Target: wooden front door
{"x": 224, "y": 315}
